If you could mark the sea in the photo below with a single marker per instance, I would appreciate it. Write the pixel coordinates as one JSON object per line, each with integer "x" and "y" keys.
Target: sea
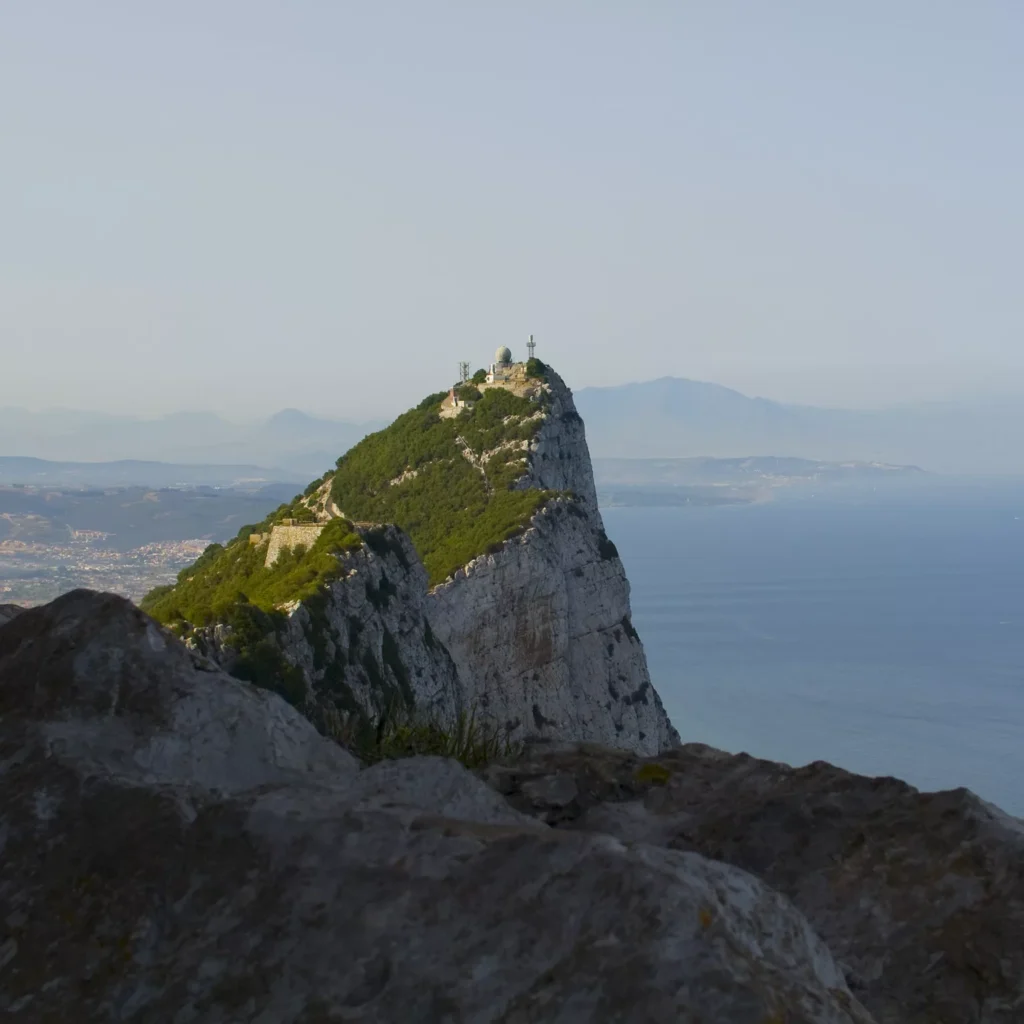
{"x": 882, "y": 631}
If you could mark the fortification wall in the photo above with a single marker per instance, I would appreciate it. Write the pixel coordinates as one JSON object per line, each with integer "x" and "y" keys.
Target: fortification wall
{"x": 282, "y": 537}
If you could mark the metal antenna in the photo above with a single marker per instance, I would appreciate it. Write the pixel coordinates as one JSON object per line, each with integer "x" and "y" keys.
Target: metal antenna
{"x": 531, "y": 345}
{"x": 464, "y": 371}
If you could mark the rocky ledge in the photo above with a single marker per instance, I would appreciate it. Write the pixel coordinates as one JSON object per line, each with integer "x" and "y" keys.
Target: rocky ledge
{"x": 8, "y": 611}
{"x": 919, "y": 896}
{"x": 179, "y": 846}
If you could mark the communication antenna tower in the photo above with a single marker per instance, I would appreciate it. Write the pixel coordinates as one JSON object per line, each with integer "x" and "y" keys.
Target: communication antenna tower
{"x": 531, "y": 345}
{"x": 464, "y": 371}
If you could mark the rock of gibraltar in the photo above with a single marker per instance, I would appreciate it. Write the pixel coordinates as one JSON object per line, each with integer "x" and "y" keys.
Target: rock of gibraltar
{"x": 454, "y": 562}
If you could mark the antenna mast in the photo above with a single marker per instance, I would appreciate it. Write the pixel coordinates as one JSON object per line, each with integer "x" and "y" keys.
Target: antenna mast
{"x": 464, "y": 371}
{"x": 531, "y": 345}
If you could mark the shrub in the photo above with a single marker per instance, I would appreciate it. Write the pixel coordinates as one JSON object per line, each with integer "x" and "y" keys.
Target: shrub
{"x": 451, "y": 510}
{"x": 479, "y": 377}
{"x": 400, "y": 731}
{"x": 535, "y": 368}
{"x": 431, "y": 400}
{"x": 652, "y": 773}
{"x": 222, "y": 579}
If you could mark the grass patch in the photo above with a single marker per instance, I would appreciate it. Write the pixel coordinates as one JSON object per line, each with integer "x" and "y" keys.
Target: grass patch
{"x": 224, "y": 578}
{"x": 400, "y": 732}
{"x": 653, "y": 773}
{"x": 451, "y": 510}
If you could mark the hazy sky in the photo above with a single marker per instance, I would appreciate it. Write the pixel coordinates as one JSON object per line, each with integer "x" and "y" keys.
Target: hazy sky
{"x": 248, "y": 205}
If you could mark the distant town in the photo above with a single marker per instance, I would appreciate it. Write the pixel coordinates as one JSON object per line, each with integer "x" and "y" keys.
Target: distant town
{"x": 122, "y": 540}
{"x": 33, "y": 573}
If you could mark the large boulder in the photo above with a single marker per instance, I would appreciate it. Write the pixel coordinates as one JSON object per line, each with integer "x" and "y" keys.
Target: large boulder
{"x": 180, "y": 847}
{"x": 920, "y": 896}
{"x": 8, "y": 611}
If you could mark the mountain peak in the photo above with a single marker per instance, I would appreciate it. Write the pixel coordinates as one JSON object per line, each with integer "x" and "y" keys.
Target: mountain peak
{"x": 455, "y": 560}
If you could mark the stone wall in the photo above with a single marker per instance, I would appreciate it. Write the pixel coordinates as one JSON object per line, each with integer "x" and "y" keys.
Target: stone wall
{"x": 282, "y": 537}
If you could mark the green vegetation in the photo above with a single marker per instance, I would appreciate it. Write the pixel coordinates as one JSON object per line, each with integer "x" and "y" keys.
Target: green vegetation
{"x": 535, "y": 368}
{"x": 452, "y": 510}
{"x": 479, "y": 377}
{"x": 460, "y": 501}
{"x": 223, "y": 579}
{"x": 653, "y": 773}
{"x": 260, "y": 660}
{"x": 402, "y": 732}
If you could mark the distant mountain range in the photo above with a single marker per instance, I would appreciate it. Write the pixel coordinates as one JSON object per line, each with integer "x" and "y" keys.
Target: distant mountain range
{"x": 674, "y": 417}
{"x": 671, "y": 417}
{"x": 297, "y": 444}
{"x": 134, "y": 473}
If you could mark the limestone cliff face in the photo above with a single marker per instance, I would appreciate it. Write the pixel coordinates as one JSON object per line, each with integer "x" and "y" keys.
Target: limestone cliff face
{"x": 541, "y": 630}
{"x": 366, "y": 642}
{"x": 535, "y": 637}
{"x": 559, "y": 459}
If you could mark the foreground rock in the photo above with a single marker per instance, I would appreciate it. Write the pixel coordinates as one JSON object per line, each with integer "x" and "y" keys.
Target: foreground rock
{"x": 8, "y": 611}
{"x": 920, "y": 896}
{"x": 181, "y": 847}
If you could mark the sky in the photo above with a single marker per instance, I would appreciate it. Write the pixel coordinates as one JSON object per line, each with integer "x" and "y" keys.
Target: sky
{"x": 244, "y": 205}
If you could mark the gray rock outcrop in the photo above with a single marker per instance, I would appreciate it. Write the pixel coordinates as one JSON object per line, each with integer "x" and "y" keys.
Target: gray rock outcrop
{"x": 8, "y": 611}
{"x": 181, "y": 847}
{"x": 366, "y": 642}
{"x": 920, "y": 896}
{"x": 542, "y": 636}
{"x": 541, "y": 630}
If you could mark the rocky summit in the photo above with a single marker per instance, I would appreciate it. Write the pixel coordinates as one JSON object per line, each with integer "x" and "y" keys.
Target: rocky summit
{"x": 455, "y": 562}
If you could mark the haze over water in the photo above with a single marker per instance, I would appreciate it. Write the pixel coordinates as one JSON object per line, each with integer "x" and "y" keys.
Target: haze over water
{"x": 883, "y": 633}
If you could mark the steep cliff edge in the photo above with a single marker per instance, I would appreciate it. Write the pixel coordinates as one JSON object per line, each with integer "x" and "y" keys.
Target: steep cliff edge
{"x": 541, "y": 629}
{"x": 361, "y": 644}
{"x": 495, "y": 589}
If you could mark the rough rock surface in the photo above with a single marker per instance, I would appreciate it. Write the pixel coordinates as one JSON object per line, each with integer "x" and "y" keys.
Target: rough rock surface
{"x": 179, "y": 847}
{"x": 559, "y": 458}
{"x": 535, "y": 638}
{"x": 920, "y": 896}
{"x": 542, "y": 636}
{"x": 540, "y": 630}
{"x": 367, "y": 641}
{"x": 8, "y": 611}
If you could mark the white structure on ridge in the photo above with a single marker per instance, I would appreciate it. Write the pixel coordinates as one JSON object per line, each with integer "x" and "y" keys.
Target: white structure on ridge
{"x": 501, "y": 368}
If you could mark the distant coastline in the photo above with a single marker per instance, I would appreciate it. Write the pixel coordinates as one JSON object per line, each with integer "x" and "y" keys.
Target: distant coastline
{"x": 666, "y": 482}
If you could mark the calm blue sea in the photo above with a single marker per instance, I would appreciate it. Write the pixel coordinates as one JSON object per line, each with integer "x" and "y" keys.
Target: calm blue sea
{"x": 882, "y": 633}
